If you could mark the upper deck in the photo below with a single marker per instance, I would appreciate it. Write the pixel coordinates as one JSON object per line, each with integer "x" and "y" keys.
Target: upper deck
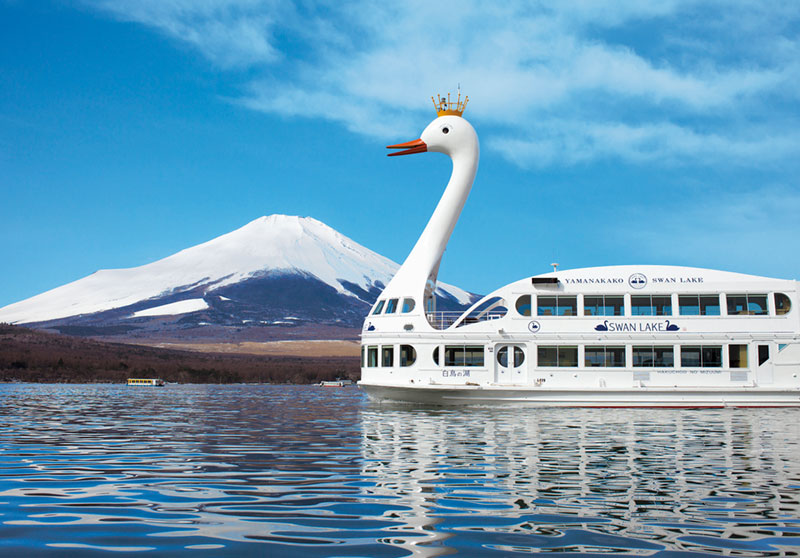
{"x": 621, "y": 299}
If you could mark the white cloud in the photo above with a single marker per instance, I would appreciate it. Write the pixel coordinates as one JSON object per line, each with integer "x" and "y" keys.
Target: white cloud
{"x": 551, "y": 83}
{"x": 230, "y": 33}
{"x": 572, "y": 142}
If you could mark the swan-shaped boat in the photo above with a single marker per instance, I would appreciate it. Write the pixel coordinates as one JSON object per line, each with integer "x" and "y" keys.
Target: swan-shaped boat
{"x": 617, "y": 336}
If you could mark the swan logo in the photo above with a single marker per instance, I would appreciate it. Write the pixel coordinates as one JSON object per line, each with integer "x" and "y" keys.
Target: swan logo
{"x": 637, "y": 281}
{"x": 534, "y": 326}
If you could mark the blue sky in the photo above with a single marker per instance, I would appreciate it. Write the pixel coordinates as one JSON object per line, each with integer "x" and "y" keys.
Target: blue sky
{"x": 611, "y": 132}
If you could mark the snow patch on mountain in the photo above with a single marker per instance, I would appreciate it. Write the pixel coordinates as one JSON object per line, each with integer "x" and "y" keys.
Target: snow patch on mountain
{"x": 174, "y": 308}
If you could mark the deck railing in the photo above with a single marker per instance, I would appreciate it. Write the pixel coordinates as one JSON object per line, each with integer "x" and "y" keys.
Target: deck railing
{"x": 443, "y": 320}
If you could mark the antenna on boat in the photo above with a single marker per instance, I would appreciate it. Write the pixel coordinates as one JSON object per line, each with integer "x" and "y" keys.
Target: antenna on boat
{"x": 555, "y": 267}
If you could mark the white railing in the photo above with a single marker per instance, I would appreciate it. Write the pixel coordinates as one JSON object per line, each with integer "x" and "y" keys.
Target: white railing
{"x": 443, "y": 320}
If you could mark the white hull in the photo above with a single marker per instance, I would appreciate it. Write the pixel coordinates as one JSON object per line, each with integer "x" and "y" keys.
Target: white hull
{"x": 541, "y": 397}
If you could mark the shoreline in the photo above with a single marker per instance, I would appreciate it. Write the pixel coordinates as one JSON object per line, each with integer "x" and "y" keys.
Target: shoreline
{"x": 33, "y": 356}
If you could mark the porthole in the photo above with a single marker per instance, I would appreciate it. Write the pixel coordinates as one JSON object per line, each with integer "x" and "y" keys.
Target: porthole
{"x": 519, "y": 356}
{"x": 436, "y": 356}
{"x": 502, "y": 357}
{"x": 524, "y": 305}
{"x": 782, "y": 304}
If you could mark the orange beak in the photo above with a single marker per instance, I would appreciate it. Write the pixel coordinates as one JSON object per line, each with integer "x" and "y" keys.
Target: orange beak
{"x": 409, "y": 147}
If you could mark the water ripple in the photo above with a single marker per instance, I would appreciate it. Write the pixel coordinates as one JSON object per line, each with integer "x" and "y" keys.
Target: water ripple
{"x": 282, "y": 470}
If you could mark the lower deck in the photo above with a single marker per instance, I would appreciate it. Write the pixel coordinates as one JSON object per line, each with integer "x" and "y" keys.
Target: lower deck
{"x": 574, "y": 366}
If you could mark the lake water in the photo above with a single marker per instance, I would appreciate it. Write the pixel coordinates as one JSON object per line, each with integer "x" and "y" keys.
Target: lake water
{"x": 94, "y": 470}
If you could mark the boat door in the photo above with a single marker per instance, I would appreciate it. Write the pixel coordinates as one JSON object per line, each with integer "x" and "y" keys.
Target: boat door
{"x": 509, "y": 364}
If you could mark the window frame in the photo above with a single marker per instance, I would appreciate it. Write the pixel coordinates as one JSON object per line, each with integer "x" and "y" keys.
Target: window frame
{"x": 558, "y": 306}
{"x": 655, "y": 361}
{"x": 779, "y": 308}
{"x": 387, "y": 350}
{"x": 560, "y": 355}
{"x": 703, "y": 304}
{"x": 731, "y": 301}
{"x": 703, "y": 351}
{"x": 608, "y": 361}
{"x": 604, "y": 305}
{"x": 405, "y": 360}
{"x": 472, "y": 356}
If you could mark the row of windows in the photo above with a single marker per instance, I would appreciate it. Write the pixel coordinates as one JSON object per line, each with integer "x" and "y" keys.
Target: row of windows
{"x": 392, "y": 304}
{"x": 691, "y": 356}
{"x": 652, "y": 305}
{"x": 566, "y": 356}
{"x": 369, "y": 358}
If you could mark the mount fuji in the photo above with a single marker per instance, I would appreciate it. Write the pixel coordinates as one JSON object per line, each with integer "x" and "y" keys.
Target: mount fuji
{"x": 274, "y": 273}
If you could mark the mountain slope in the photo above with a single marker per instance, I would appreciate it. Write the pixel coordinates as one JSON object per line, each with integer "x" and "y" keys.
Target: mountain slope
{"x": 276, "y": 270}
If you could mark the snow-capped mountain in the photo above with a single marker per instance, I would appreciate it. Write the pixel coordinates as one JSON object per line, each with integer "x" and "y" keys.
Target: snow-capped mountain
{"x": 275, "y": 270}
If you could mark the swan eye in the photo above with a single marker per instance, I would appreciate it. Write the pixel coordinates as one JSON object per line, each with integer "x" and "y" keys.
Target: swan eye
{"x": 445, "y": 130}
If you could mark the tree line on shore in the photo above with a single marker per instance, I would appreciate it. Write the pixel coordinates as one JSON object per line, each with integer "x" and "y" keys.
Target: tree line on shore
{"x": 28, "y": 355}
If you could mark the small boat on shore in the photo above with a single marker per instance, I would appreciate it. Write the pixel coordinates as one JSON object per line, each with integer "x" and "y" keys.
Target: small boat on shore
{"x": 617, "y": 336}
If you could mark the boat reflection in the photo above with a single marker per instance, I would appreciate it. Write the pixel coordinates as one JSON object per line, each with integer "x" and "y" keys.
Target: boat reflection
{"x": 586, "y": 480}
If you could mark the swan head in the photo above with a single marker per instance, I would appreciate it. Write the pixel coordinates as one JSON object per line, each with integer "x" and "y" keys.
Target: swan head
{"x": 449, "y": 134}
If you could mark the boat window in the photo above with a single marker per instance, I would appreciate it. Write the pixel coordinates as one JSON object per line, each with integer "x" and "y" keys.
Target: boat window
{"x": 391, "y": 306}
{"x": 502, "y": 356}
{"x": 556, "y": 305}
{"x": 463, "y": 355}
{"x": 436, "y": 356}
{"x": 747, "y": 305}
{"x": 763, "y": 354}
{"x": 408, "y": 355}
{"x": 388, "y": 356}
{"x": 737, "y": 356}
{"x": 782, "y": 304}
{"x": 651, "y": 355}
{"x": 698, "y": 305}
{"x": 372, "y": 357}
{"x": 709, "y": 305}
{"x": 600, "y": 355}
{"x": 379, "y": 307}
{"x": 737, "y": 304}
{"x": 568, "y": 356}
{"x": 408, "y": 305}
{"x": 562, "y": 356}
{"x": 703, "y": 356}
{"x": 519, "y": 356}
{"x": 757, "y": 305}
{"x": 651, "y": 305}
{"x": 363, "y": 354}
{"x": 601, "y": 305}
{"x": 524, "y": 305}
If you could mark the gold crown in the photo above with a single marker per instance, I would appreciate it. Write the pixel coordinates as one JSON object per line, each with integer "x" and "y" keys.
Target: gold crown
{"x": 444, "y": 106}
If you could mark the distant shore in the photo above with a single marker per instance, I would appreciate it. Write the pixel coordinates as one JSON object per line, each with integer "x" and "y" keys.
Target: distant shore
{"x": 33, "y": 356}
{"x": 293, "y": 348}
